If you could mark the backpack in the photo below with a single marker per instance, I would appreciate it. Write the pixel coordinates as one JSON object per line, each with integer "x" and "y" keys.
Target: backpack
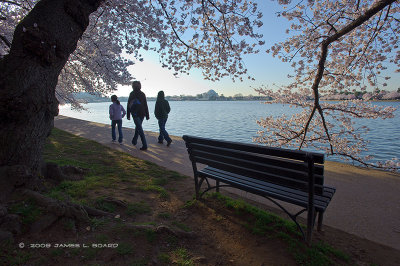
{"x": 134, "y": 107}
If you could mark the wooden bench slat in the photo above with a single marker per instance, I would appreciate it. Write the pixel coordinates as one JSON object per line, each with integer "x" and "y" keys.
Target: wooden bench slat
{"x": 321, "y": 200}
{"x": 269, "y": 192}
{"x": 254, "y": 157}
{"x": 280, "y": 152}
{"x": 300, "y": 175}
{"x": 271, "y": 178}
{"x": 327, "y": 192}
{"x": 252, "y": 173}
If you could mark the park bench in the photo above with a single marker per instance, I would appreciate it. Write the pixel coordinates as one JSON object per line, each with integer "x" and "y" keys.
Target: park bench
{"x": 291, "y": 176}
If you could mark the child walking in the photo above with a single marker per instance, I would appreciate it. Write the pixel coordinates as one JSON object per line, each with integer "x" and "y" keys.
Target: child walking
{"x": 117, "y": 112}
{"x": 161, "y": 112}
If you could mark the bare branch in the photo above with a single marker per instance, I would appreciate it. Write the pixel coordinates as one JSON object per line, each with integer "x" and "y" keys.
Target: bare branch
{"x": 173, "y": 29}
{"x": 324, "y": 52}
{"x": 10, "y": 2}
{"x": 304, "y": 131}
{"x": 5, "y": 41}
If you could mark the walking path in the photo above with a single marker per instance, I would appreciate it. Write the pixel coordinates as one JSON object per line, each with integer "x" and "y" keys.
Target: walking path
{"x": 366, "y": 203}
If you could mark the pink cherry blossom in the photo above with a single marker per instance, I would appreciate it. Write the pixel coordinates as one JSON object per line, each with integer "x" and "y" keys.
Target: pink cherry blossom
{"x": 334, "y": 47}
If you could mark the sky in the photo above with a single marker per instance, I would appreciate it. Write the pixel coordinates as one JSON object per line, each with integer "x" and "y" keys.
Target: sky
{"x": 266, "y": 69}
{"x": 263, "y": 67}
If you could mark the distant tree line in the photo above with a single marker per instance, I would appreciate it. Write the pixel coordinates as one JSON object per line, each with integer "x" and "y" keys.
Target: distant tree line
{"x": 364, "y": 95}
{"x": 210, "y": 95}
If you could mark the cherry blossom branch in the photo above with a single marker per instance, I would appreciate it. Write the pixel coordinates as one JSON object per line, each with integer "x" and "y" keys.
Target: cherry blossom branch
{"x": 174, "y": 30}
{"x": 304, "y": 131}
{"x": 5, "y": 41}
{"x": 334, "y": 33}
{"x": 15, "y": 4}
{"x": 10, "y": 2}
{"x": 224, "y": 22}
{"x": 324, "y": 53}
{"x": 389, "y": 165}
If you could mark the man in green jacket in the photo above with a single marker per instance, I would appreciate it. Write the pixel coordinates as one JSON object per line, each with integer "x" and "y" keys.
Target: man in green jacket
{"x": 161, "y": 112}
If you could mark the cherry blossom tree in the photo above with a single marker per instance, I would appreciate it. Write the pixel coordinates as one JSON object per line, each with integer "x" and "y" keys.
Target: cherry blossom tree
{"x": 202, "y": 34}
{"x": 52, "y": 48}
{"x": 333, "y": 46}
{"x": 96, "y": 66}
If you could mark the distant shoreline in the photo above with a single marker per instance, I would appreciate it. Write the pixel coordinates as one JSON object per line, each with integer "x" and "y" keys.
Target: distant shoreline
{"x": 153, "y": 99}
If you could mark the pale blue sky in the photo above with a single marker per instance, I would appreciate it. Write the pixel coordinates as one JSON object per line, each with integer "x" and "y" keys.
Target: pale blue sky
{"x": 263, "y": 67}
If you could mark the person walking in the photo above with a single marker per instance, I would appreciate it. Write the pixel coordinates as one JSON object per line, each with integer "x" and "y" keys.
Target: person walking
{"x": 161, "y": 112}
{"x": 117, "y": 112}
{"x": 137, "y": 107}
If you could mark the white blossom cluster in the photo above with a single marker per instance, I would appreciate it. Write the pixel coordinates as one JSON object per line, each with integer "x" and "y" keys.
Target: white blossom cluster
{"x": 333, "y": 47}
{"x": 212, "y": 35}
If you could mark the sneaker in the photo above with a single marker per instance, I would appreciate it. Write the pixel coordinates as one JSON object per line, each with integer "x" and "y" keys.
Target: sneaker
{"x": 113, "y": 140}
{"x": 160, "y": 141}
{"x": 143, "y": 148}
{"x": 169, "y": 143}
{"x": 120, "y": 143}
{"x": 134, "y": 142}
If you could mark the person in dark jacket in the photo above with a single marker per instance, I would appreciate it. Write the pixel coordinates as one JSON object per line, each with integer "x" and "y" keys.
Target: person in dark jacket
{"x": 161, "y": 112}
{"x": 137, "y": 107}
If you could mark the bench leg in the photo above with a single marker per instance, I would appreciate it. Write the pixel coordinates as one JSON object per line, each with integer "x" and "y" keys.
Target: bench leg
{"x": 196, "y": 180}
{"x": 197, "y": 192}
{"x": 197, "y": 187}
{"x": 217, "y": 188}
{"x": 310, "y": 224}
{"x": 320, "y": 218}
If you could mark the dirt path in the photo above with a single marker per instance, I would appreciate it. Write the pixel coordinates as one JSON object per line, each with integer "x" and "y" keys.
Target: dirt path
{"x": 366, "y": 204}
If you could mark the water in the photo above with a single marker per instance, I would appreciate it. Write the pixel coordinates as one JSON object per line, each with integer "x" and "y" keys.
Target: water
{"x": 236, "y": 121}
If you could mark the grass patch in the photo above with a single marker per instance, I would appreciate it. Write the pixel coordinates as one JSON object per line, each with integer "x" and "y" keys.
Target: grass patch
{"x": 263, "y": 223}
{"x": 140, "y": 262}
{"x": 256, "y": 220}
{"x": 108, "y": 169}
{"x": 164, "y": 258}
{"x": 182, "y": 257}
{"x": 69, "y": 224}
{"x": 9, "y": 255}
{"x": 136, "y": 208}
{"x": 102, "y": 238}
{"x": 89, "y": 253}
{"x": 97, "y": 223}
{"x": 182, "y": 226}
{"x": 326, "y": 249}
{"x": 165, "y": 215}
{"x": 28, "y": 210}
{"x": 105, "y": 205}
{"x": 124, "y": 249}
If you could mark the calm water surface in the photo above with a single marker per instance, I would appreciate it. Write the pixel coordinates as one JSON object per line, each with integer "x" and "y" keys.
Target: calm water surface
{"x": 236, "y": 121}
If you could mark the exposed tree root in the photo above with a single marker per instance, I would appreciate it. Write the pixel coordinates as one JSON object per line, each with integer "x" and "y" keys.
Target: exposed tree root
{"x": 115, "y": 201}
{"x": 56, "y": 210}
{"x": 14, "y": 177}
{"x": 17, "y": 180}
{"x": 162, "y": 229}
{"x": 65, "y": 209}
{"x": 56, "y": 173}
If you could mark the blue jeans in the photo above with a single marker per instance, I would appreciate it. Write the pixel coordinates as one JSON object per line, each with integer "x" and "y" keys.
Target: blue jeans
{"x": 163, "y": 133}
{"x": 119, "y": 123}
{"x": 139, "y": 132}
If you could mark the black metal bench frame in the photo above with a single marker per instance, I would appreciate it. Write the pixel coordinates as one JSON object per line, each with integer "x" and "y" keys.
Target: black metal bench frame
{"x": 291, "y": 176}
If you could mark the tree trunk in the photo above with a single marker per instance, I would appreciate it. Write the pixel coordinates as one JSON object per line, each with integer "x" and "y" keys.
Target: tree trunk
{"x": 42, "y": 43}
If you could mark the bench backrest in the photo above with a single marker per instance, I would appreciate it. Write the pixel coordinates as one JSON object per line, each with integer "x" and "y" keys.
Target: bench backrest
{"x": 284, "y": 167}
